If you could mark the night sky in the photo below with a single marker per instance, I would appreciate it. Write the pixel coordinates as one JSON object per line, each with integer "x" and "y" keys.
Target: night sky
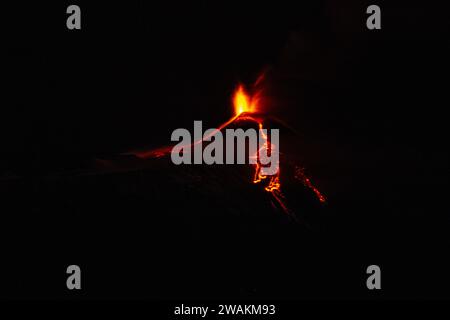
{"x": 368, "y": 108}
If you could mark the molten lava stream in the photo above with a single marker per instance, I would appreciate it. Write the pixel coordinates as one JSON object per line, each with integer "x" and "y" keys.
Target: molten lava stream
{"x": 247, "y": 107}
{"x": 244, "y": 106}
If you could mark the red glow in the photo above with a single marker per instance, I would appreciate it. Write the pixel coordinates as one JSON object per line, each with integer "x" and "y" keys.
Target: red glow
{"x": 244, "y": 106}
{"x": 248, "y": 108}
{"x": 243, "y": 102}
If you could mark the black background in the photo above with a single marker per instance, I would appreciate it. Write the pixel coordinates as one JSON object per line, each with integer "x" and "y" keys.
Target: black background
{"x": 370, "y": 106}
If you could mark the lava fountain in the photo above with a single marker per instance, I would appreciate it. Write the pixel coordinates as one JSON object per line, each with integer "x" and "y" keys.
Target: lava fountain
{"x": 247, "y": 107}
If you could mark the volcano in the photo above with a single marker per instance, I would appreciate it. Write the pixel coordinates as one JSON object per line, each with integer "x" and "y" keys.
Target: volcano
{"x": 248, "y": 114}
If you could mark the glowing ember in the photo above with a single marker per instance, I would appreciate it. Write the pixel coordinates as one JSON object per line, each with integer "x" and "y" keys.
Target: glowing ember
{"x": 300, "y": 175}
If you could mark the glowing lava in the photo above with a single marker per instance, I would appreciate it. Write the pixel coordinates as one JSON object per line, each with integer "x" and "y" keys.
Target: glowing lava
{"x": 243, "y": 102}
{"x": 248, "y": 108}
{"x": 244, "y": 106}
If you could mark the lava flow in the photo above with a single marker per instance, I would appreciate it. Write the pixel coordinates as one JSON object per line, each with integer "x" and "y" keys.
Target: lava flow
{"x": 248, "y": 108}
{"x": 244, "y": 106}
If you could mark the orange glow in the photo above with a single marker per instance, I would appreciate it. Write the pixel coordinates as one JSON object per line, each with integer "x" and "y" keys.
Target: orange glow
{"x": 300, "y": 175}
{"x": 274, "y": 181}
{"x": 243, "y": 102}
{"x": 248, "y": 108}
{"x": 244, "y": 106}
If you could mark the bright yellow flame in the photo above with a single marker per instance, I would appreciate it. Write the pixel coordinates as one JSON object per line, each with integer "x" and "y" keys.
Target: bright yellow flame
{"x": 243, "y": 102}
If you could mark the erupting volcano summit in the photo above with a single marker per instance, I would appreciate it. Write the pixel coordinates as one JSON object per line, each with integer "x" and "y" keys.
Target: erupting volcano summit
{"x": 247, "y": 110}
